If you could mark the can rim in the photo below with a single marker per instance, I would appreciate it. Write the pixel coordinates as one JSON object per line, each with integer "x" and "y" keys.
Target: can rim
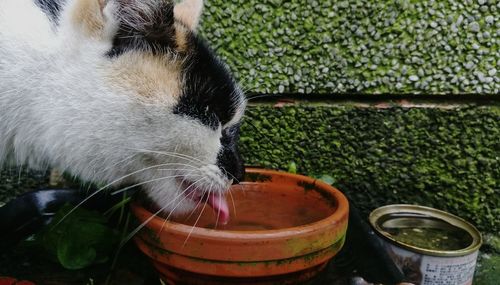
{"x": 477, "y": 239}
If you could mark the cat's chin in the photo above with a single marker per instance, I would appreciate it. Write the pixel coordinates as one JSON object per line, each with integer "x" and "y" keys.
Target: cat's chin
{"x": 196, "y": 195}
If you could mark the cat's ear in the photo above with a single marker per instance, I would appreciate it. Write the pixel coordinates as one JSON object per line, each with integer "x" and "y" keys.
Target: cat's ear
{"x": 92, "y": 18}
{"x": 141, "y": 23}
{"x": 189, "y": 12}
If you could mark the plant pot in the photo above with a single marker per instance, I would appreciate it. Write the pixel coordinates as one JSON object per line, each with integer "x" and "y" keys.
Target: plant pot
{"x": 285, "y": 228}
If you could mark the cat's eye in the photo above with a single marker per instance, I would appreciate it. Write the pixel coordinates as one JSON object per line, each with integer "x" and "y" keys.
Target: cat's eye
{"x": 229, "y": 134}
{"x": 231, "y": 131}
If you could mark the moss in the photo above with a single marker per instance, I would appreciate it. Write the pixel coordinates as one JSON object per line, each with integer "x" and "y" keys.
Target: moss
{"x": 308, "y": 186}
{"x": 447, "y": 159}
{"x": 257, "y": 177}
{"x": 488, "y": 270}
{"x": 338, "y": 46}
{"x": 491, "y": 244}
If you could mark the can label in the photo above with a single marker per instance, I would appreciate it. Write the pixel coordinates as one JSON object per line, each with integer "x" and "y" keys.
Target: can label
{"x": 433, "y": 270}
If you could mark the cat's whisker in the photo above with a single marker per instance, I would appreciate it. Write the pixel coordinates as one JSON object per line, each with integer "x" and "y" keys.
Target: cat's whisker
{"x": 185, "y": 196}
{"x": 177, "y": 155}
{"x": 244, "y": 86}
{"x": 232, "y": 200}
{"x": 250, "y": 98}
{"x": 10, "y": 91}
{"x": 145, "y": 182}
{"x": 149, "y": 168}
{"x": 173, "y": 154}
{"x": 113, "y": 182}
{"x": 232, "y": 176}
{"x": 196, "y": 222}
{"x": 207, "y": 192}
{"x": 218, "y": 211}
{"x": 172, "y": 169}
{"x": 121, "y": 161}
{"x": 144, "y": 169}
{"x": 194, "y": 209}
{"x": 143, "y": 224}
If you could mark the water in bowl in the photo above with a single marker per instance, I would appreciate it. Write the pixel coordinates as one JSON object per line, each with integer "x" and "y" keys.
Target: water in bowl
{"x": 264, "y": 207}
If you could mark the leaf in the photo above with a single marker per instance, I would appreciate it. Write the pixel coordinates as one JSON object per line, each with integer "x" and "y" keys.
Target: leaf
{"x": 327, "y": 179}
{"x": 292, "y": 167}
{"x": 73, "y": 256}
{"x": 78, "y": 238}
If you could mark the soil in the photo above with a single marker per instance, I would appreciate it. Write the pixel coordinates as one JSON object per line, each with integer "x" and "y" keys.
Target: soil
{"x": 132, "y": 268}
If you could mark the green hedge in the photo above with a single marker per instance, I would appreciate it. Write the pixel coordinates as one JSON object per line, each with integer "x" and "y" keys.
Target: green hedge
{"x": 449, "y": 159}
{"x": 333, "y": 46}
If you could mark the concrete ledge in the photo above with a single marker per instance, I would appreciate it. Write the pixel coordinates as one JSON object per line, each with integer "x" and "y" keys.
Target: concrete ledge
{"x": 448, "y": 158}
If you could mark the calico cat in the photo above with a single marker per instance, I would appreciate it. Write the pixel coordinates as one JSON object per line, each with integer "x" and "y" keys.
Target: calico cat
{"x": 120, "y": 92}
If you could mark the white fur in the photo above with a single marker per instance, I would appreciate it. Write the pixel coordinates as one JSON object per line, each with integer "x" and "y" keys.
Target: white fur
{"x": 57, "y": 109}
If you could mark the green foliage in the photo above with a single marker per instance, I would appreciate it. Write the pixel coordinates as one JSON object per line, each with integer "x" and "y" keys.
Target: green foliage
{"x": 488, "y": 271}
{"x": 326, "y": 178}
{"x": 491, "y": 243}
{"x": 447, "y": 159}
{"x": 78, "y": 239}
{"x": 292, "y": 167}
{"x": 337, "y": 46}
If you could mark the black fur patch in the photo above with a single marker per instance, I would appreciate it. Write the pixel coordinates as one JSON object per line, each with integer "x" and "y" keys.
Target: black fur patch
{"x": 51, "y": 7}
{"x": 157, "y": 34}
{"x": 229, "y": 159}
{"x": 210, "y": 93}
{"x": 210, "y": 96}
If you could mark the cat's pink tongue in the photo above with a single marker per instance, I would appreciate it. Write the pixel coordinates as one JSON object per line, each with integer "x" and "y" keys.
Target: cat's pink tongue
{"x": 220, "y": 207}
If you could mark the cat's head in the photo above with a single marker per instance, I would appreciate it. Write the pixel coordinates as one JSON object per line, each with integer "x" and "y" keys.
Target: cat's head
{"x": 181, "y": 126}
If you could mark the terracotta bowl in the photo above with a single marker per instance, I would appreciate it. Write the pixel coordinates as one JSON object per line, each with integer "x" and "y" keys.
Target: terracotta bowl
{"x": 283, "y": 229}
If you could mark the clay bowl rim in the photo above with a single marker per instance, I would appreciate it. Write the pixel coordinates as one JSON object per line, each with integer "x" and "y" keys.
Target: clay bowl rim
{"x": 340, "y": 212}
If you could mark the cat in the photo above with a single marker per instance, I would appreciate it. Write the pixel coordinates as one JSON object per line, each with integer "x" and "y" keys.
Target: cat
{"x": 120, "y": 92}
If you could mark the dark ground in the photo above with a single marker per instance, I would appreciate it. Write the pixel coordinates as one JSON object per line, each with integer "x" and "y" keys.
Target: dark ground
{"x": 133, "y": 268}
{"x": 16, "y": 181}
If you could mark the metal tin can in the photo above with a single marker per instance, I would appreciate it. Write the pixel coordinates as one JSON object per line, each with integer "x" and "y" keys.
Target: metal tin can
{"x": 430, "y": 247}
